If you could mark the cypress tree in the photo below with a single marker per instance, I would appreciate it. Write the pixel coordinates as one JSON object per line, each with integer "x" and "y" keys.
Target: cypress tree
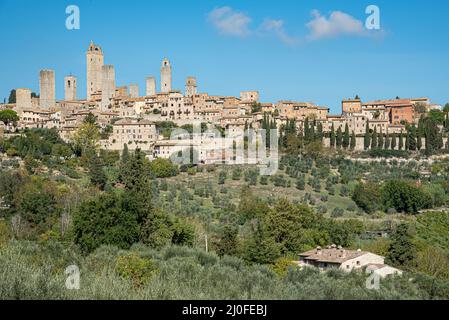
{"x": 332, "y": 137}
{"x": 339, "y": 141}
{"x": 374, "y": 139}
{"x": 380, "y": 141}
{"x": 346, "y": 137}
{"x": 387, "y": 142}
{"x": 401, "y": 142}
{"x": 353, "y": 141}
{"x": 367, "y": 138}
{"x": 412, "y": 138}
{"x": 393, "y": 142}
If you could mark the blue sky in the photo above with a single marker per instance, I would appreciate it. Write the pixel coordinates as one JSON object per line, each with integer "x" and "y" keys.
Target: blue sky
{"x": 317, "y": 51}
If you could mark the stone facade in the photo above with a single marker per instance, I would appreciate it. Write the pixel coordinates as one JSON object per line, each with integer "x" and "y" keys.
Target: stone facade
{"x": 108, "y": 86}
{"x": 133, "y": 90}
{"x": 70, "y": 85}
{"x": 151, "y": 86}
{"x": 191, "y": 88}
{"x": 23, "y": 99}
{"x": 94, "y": 62}
{"x": 165, "y": 76}
{"x": 47, "y": 89}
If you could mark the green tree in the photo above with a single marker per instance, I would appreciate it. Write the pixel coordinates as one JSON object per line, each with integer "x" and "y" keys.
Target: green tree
{"x": 402, "y": 251}
{"x": 228, "y": 244}
{"x": 339, "y": 138}
{"x": 374, "y": 139}
{"x": 163, "y": 168}
{"x": 353, "y": 142}
{"x": 393, "y": 141}
{"x": 367, "y": 138}
{"x": 332, "y": 137}
{"x": 86, "y": 139}
{"x": 106, "y": 220}
{"x": 380, "y": 140}
{"x": 260, "y": 247}
{"x": 404, "y": 196}
{"x": 9, "y": 117}
{"x": 12, "y": 96}
{"x": 401, "y": 141}
{"x": 346, "y": 137}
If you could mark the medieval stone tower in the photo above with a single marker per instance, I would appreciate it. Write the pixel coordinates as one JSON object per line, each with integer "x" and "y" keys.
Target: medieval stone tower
{"x": 107, "y": 86}
{"x": 134, "y": 90}
{"x": 70, "y": 88}
{"x": 23, "y": 99}
{"x": 95, "y": 61}
{"x": 191, "y": 88}
{"x": 47, "y": 89}
{"x": 151, "y": 86}
{"x": 165, "y": 76}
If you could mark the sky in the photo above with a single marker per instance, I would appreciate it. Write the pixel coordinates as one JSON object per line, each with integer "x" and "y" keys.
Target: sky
{"x": 316, "y": 51}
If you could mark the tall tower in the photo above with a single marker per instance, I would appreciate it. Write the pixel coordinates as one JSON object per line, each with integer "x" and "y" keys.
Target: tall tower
{"x": 165, "y": 76}
{"x": 95, "y": 61}
{"x": 47, "y": 89}
{"x": 70, "y": 88}
{"x": 191, "y": 88}
{"x": 134, "y": 90}
{"x": 23, "y": 99}
{"x": 151, "y": 86}
{"x": 108, "y": 86}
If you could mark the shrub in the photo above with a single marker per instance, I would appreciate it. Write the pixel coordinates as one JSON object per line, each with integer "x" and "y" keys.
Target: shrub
{"x": 137, "y": 269}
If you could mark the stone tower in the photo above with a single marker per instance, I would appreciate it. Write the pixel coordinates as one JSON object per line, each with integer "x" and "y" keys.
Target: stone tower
{"x": 165, "y": 76}
{"x": 47, "y": 89}
{"x": 134, "y": 90}
{"x": 151, "y": 86}
{"x": 70, "y": 88}
{"x": 108, "y": 86}
{"x": 191, "y": 88}
{"x": 23, "y": 99}
{"x": 95, "y": 61}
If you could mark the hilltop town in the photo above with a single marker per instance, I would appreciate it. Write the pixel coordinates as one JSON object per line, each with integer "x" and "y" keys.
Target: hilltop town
{"x": 132, "y": 118}
{"x": 357, "y": 207}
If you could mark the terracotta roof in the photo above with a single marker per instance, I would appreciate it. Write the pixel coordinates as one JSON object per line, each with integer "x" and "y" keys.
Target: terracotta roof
{"x": 331, "y": 255}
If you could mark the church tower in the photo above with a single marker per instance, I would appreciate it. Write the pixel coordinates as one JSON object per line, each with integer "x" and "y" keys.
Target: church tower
{"x": 191, "y": 87}
{"x": 165, "y": 76}
{"x": 95, "y": 61}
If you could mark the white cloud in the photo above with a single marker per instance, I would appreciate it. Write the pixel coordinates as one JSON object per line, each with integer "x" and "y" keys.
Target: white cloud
{"x": 230, "y": 22}
{"x": 277, "y": 27}
{"x": 338, "y": 23}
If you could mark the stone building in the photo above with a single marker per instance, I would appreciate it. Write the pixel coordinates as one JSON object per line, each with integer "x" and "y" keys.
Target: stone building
{"x": 151, "y": 86}
{"x": 134, "y": 133}
{"x": 23, "y": 99}
{"x": 108, "y": 86}
{"x": 47, "y": 89}
{"x": 191, "y": 87}
{"x": 249, "y": 96}
{"x": 340, "y": 258}
{"x": 133, "y": 90}
{"x": 70, "y": 88}
{"x": 95, "y": 62}
{"x": 351, "y": 106}
{"x": 166, "y": 76}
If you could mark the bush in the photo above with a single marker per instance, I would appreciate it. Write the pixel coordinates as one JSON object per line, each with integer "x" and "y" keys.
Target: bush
{"x": 137, "y": 269}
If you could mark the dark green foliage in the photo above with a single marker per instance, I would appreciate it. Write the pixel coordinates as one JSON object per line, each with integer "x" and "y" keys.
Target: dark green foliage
{"x": 106, "y": 220}
{"x": 402, "y": 251}
{"x": 404, "y": 197}
{"x": 228, "y": 244}
{"x": 8, "y": 117}
{"x": 367, "y": 196}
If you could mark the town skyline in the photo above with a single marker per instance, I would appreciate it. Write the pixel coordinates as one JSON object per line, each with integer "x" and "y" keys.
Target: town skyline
{"x": 227, "y": 73}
